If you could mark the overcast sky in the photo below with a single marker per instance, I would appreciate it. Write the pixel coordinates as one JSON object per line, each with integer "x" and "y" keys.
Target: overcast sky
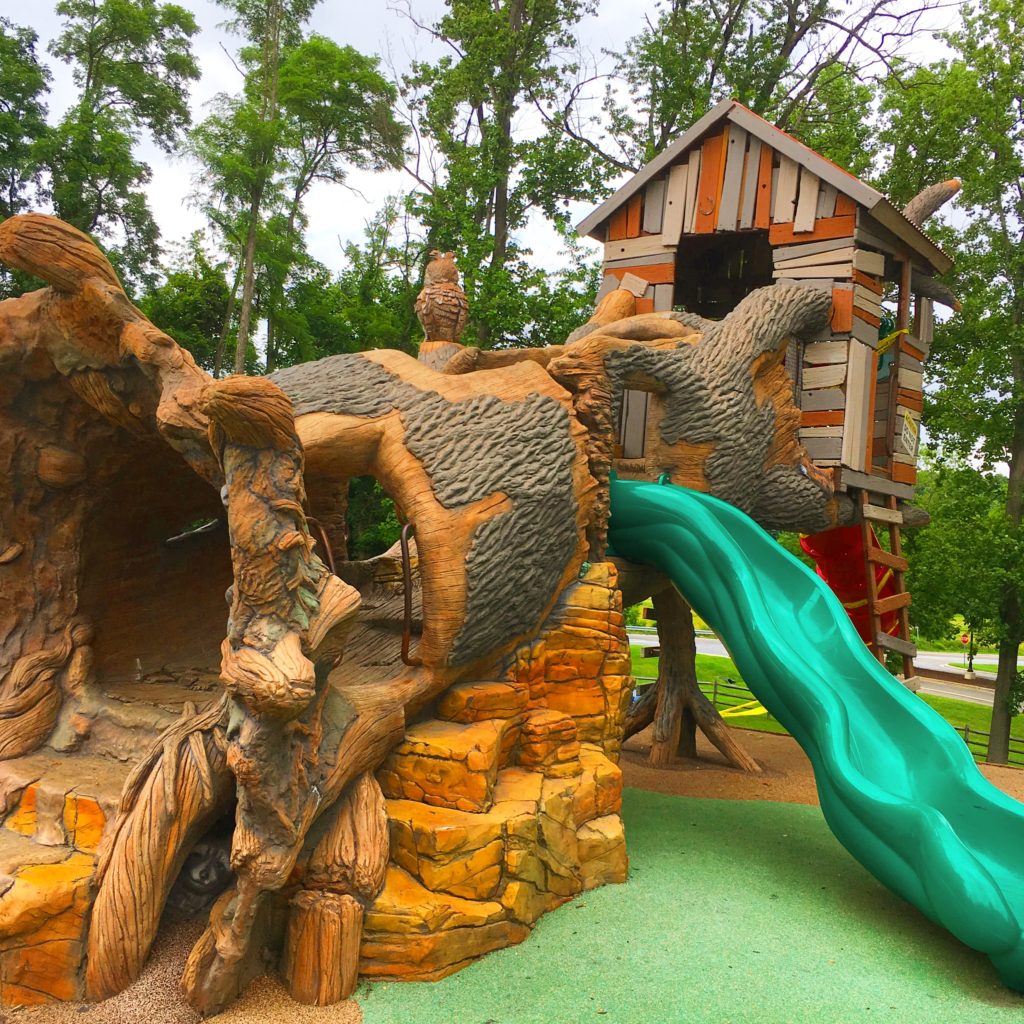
{"x": 336, "y": 214}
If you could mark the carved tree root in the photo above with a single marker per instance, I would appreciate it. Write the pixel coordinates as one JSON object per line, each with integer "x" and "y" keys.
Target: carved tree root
{"x": 676, "y": 705}
{"x": 171, "y": 798}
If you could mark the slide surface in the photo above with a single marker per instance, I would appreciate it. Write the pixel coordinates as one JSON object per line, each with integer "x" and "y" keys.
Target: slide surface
{"x": 897, "y": 784}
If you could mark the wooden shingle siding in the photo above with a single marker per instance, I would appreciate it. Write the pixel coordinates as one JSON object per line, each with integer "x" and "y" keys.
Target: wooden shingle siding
{"x": 869, "y": 262}
{"x": 807, "y": 203}
{"x": 692, "y": 183}
{"x": 823, "y": 399}
{"x": 911, "y": 399}
{"x": 675, "y": 204}
{"x": 709, "y": 184}
{"x": 842, "y": 255}
{"x": 634, "y": 209}
{"x": 826, "y": 200}
{"x": 865, "y": 332}
{"x": 835, "y": 270}
{"x": 732, "y": 179}
{"x": 822, "y": 418}
{"x": 785, "y": 193}
{"x": 654, "y": 206}
{"x": 869, "y": 282}
{"x": 751, "y": 166}
{"x": 867, "y": 317}
{"x": 658, "y": 273}
{"x": 825, "y": 227}
{"x": 867, "y": 299}
{"x": 845, "y": 206}
{"x": 842, "y": 309}
{"x": 823, "y": 450}
{"x": 617, "y": 225}
{"x": 630, "y": 248}
{"x": 762, "y": 204}
{"x": 785, "y": 253}
{"x": 825, "y": 352}
{"x": 823, "y": 376}
{"x": 663, "y": 294}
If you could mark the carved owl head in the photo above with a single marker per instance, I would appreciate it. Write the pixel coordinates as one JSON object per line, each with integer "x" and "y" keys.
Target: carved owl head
{"x": 441, "y": 269}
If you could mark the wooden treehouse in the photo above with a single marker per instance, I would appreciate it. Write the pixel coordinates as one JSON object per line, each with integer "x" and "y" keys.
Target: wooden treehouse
{"x": 736, "y": 204}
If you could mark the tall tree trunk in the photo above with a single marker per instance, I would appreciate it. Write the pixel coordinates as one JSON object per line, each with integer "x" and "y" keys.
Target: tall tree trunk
{"x": 676, "y": 705}
{"x": 222, "y": 341}
{"x": 248, "y": 281}
{"x": 271, "y": 60}
{"x": 1011, "y": 614}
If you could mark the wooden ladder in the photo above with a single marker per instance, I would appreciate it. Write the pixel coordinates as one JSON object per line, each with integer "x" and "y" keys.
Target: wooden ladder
{"x": 887, "y": 515}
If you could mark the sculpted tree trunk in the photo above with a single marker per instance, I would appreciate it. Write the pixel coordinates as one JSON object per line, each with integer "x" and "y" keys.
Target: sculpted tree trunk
{"x": 675, "y": 704}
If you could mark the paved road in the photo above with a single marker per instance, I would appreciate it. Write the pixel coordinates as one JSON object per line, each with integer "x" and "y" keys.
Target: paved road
{"x": 957, "y": 691}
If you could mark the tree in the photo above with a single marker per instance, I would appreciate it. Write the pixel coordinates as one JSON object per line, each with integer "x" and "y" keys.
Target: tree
{"x": 482, "y": 168}
{"x": 132, "y": 63}
{"x": 806, "y": 65}
{"x": 24, "y": 83}
{"x": 963, "y": 117}
{"x": 958, "y": 564}
{"x": 191, "y": 302}
{"x": 309, "y": 109}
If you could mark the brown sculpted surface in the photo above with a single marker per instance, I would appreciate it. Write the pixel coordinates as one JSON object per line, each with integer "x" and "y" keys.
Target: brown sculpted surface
{"x": 179, "y": 667}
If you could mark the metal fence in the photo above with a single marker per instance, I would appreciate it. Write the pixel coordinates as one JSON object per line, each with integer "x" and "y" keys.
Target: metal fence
{"x": 723, "y": 693}
{"x": 727, "y": 693}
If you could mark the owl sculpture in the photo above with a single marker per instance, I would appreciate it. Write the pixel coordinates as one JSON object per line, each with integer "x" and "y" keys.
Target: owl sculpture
{"x": 441, "y": 306}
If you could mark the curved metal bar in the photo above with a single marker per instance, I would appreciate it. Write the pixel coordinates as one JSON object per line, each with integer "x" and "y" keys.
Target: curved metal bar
{"x": 321, "y": 535}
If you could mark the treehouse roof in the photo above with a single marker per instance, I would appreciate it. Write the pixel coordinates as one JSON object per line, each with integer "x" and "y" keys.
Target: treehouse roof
{"x": 845, "y": 183}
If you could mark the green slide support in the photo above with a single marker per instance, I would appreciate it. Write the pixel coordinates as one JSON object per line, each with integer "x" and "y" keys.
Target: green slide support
{"x": 897, "y": 785}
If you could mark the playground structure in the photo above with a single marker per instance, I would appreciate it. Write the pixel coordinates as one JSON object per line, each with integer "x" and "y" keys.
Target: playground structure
{"x": 412, "y": 757}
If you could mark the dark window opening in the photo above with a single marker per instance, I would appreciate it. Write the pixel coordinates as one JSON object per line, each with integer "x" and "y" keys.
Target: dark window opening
{"x": 715, "y": 272}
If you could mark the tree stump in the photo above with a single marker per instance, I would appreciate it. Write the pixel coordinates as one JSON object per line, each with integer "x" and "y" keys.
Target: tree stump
{"x": 321, "y": 962}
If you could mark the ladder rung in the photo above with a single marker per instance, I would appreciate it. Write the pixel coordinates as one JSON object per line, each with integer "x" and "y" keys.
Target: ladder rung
{"x": 882, "y": 557}
{"x": 891, "y": 604}
{"x": 897, "y": 644}
{"x": 882, "y": 515}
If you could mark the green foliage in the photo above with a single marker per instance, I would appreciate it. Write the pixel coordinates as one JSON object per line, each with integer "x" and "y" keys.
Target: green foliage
{"x": 958, "y": 563}
{"x": 962, "y": 117}
{"x": 495, "y": 174}
{"x": 132, "y": 63}
{"x": 192, "y": 302}
{"x": 24, "y": 83}
{"x": 373, "y": 525}
{"x": 804, "y": 66}
{"x": 309, "y": 109}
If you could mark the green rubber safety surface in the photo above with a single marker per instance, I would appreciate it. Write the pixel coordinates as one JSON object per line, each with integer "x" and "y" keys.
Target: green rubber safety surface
{"x": 734, "y": 912}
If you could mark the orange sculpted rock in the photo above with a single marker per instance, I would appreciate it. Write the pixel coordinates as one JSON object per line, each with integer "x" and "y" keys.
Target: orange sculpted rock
{"x": 548, "y": 743}
{"x": 476, "y": 702}
{"x": 449, "y": 764}
{"x": 42, "y": 918}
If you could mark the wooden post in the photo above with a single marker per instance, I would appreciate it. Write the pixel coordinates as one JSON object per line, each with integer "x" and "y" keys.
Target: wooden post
{"x": 874, "y": 620}
{"x": 321, "y": 962}
{"x": 896, "y": 544}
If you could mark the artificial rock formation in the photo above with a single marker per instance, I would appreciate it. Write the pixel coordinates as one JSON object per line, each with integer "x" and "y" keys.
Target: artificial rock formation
{"x": 413, "y": 757}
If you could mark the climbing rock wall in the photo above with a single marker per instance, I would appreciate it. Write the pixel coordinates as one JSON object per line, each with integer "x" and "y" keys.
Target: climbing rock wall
{"x": 506, "y": 803}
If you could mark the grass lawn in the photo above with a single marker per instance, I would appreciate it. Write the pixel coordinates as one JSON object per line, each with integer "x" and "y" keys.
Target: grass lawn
{"x": 977, "y": 717}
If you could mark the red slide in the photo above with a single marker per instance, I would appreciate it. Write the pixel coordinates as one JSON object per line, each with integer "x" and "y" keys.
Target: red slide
{"x": 839, "y": 554}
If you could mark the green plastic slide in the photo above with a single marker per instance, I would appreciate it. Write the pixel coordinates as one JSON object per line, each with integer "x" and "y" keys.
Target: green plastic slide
{"x": 897, "y": 785}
